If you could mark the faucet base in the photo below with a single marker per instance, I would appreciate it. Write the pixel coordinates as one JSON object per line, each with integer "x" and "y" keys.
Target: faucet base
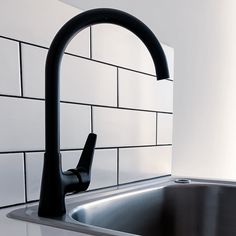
{"x": 52, "y": 193}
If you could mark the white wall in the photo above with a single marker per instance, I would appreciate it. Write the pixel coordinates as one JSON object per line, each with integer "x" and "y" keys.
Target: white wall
{"x": 203, "y": 34}
{"x": 130, "y": 111}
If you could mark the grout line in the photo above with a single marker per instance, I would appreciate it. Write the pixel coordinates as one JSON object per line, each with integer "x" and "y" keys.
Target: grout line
{"x": 91, "y": 119}
{"x": 24, "y": 97}
{"x": 118, "y": 167}
{"x": 12, "y": 205}
{"x": 87, "y": 104}
{"x": 24, "y": 42}
{"x": 114, "y": 65}
{"x": 120, "y": 147}
{"x": 21, "y": 74}
{"x": 41, "y": 99}
{"x": 141, "y": 180}
{"x": 117, "y": 87}
{"x": 138, "y": 146}
{"x": 156, "y": 126}
{"x": 25, "y": 176}
{"x": 114, "y": 107}
{"x": 32, "y": 201}
{"x": 79, "y": 149}
{"x": 82, "y": 57}
{"x": 18, "y": 204}
{"x": 90, "y": 43}
{"x": 11, "y": 152}
{"x": 171, "y": 80}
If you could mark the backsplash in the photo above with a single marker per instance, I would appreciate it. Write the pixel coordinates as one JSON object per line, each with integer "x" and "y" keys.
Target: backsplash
{"x": 108, "y": 88}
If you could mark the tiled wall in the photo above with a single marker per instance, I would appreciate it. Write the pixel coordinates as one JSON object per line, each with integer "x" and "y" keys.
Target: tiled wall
{"x": 108, "y": 87}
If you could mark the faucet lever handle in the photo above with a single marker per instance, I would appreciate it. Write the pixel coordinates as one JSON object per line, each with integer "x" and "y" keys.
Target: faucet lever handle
{"x": 83, "y": 169}
{"x": 86, "y": 157}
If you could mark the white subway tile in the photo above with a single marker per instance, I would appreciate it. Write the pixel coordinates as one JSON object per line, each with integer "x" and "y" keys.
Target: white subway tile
{"x": 103, "y": 169}
{"x": 80, "y": 44}
{"x": 88, "y": 82}
{"x": 116, "y": 45}
{"x": 164, "y": 128}
{"x": 11, "y": 179}
{"x": 143, "y": 163}
{"x": 9, "y": 67}
{"x": 144, "y": 92}
{"x": 34, "y": 168}
{"x": 75, "y": 125}
{"x": 70, "y": 159}
{"x": 82, "y": 80}
{"x": 33, "y": 71}
{"x": 33, "y": 22}
{"x": 118, "y": 127}
{"x": 22, "y": 125}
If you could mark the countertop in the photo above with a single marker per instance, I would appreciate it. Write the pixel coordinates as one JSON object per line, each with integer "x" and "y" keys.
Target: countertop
{"x": 14, "y": 227}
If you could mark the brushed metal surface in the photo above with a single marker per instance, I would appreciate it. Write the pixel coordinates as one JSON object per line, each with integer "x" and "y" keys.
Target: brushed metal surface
{"x": 160, "y": 208}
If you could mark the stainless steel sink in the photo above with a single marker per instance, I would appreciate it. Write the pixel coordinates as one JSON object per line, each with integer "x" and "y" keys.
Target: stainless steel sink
{"x": 161, "y": 208}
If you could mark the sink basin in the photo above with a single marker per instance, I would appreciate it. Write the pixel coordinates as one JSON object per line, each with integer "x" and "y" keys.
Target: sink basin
{"x": 161, "y": 207}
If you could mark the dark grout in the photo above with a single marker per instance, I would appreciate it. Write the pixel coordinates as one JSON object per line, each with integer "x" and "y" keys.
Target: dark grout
{"x": 80, "y": 149}
{"x": 21, "y": 70}
{"x": 90, "y": 43}
{"x": 91, "y": 119}
{"x": 142, "y": 180}
{"x": 117, "y": 88}
{"x": 118, "y": 166}
{"x": 77, "y": 103}
{"x": 156, "y": 127}
{"x": 87, "y": 104}
{"x": 25, "y": 176}
{"x": 83, "y": 57}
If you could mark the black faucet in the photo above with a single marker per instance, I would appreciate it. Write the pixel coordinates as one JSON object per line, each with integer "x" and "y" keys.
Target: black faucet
{"x": 55, "y": 183}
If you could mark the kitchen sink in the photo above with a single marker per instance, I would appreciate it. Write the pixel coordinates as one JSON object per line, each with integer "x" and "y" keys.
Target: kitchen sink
{"x": 161, "y": 207}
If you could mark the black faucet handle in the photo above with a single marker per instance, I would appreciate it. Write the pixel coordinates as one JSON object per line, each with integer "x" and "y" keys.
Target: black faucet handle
{"x": 86, "y": 157}
{"x": 83, "y": 169}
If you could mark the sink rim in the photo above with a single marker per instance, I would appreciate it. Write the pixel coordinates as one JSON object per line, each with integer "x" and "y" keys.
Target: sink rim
{"x": 73, "y": 202}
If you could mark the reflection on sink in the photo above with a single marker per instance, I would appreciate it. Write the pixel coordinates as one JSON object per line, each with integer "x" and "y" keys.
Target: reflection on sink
{"x": 161, "y": 207}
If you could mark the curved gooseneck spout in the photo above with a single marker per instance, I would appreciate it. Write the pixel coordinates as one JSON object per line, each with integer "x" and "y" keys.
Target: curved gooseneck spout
{"x": 55, "y": 183}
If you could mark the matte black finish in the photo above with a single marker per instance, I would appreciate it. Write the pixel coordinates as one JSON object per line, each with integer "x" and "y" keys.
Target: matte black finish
{"x": 55, "y": 183}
